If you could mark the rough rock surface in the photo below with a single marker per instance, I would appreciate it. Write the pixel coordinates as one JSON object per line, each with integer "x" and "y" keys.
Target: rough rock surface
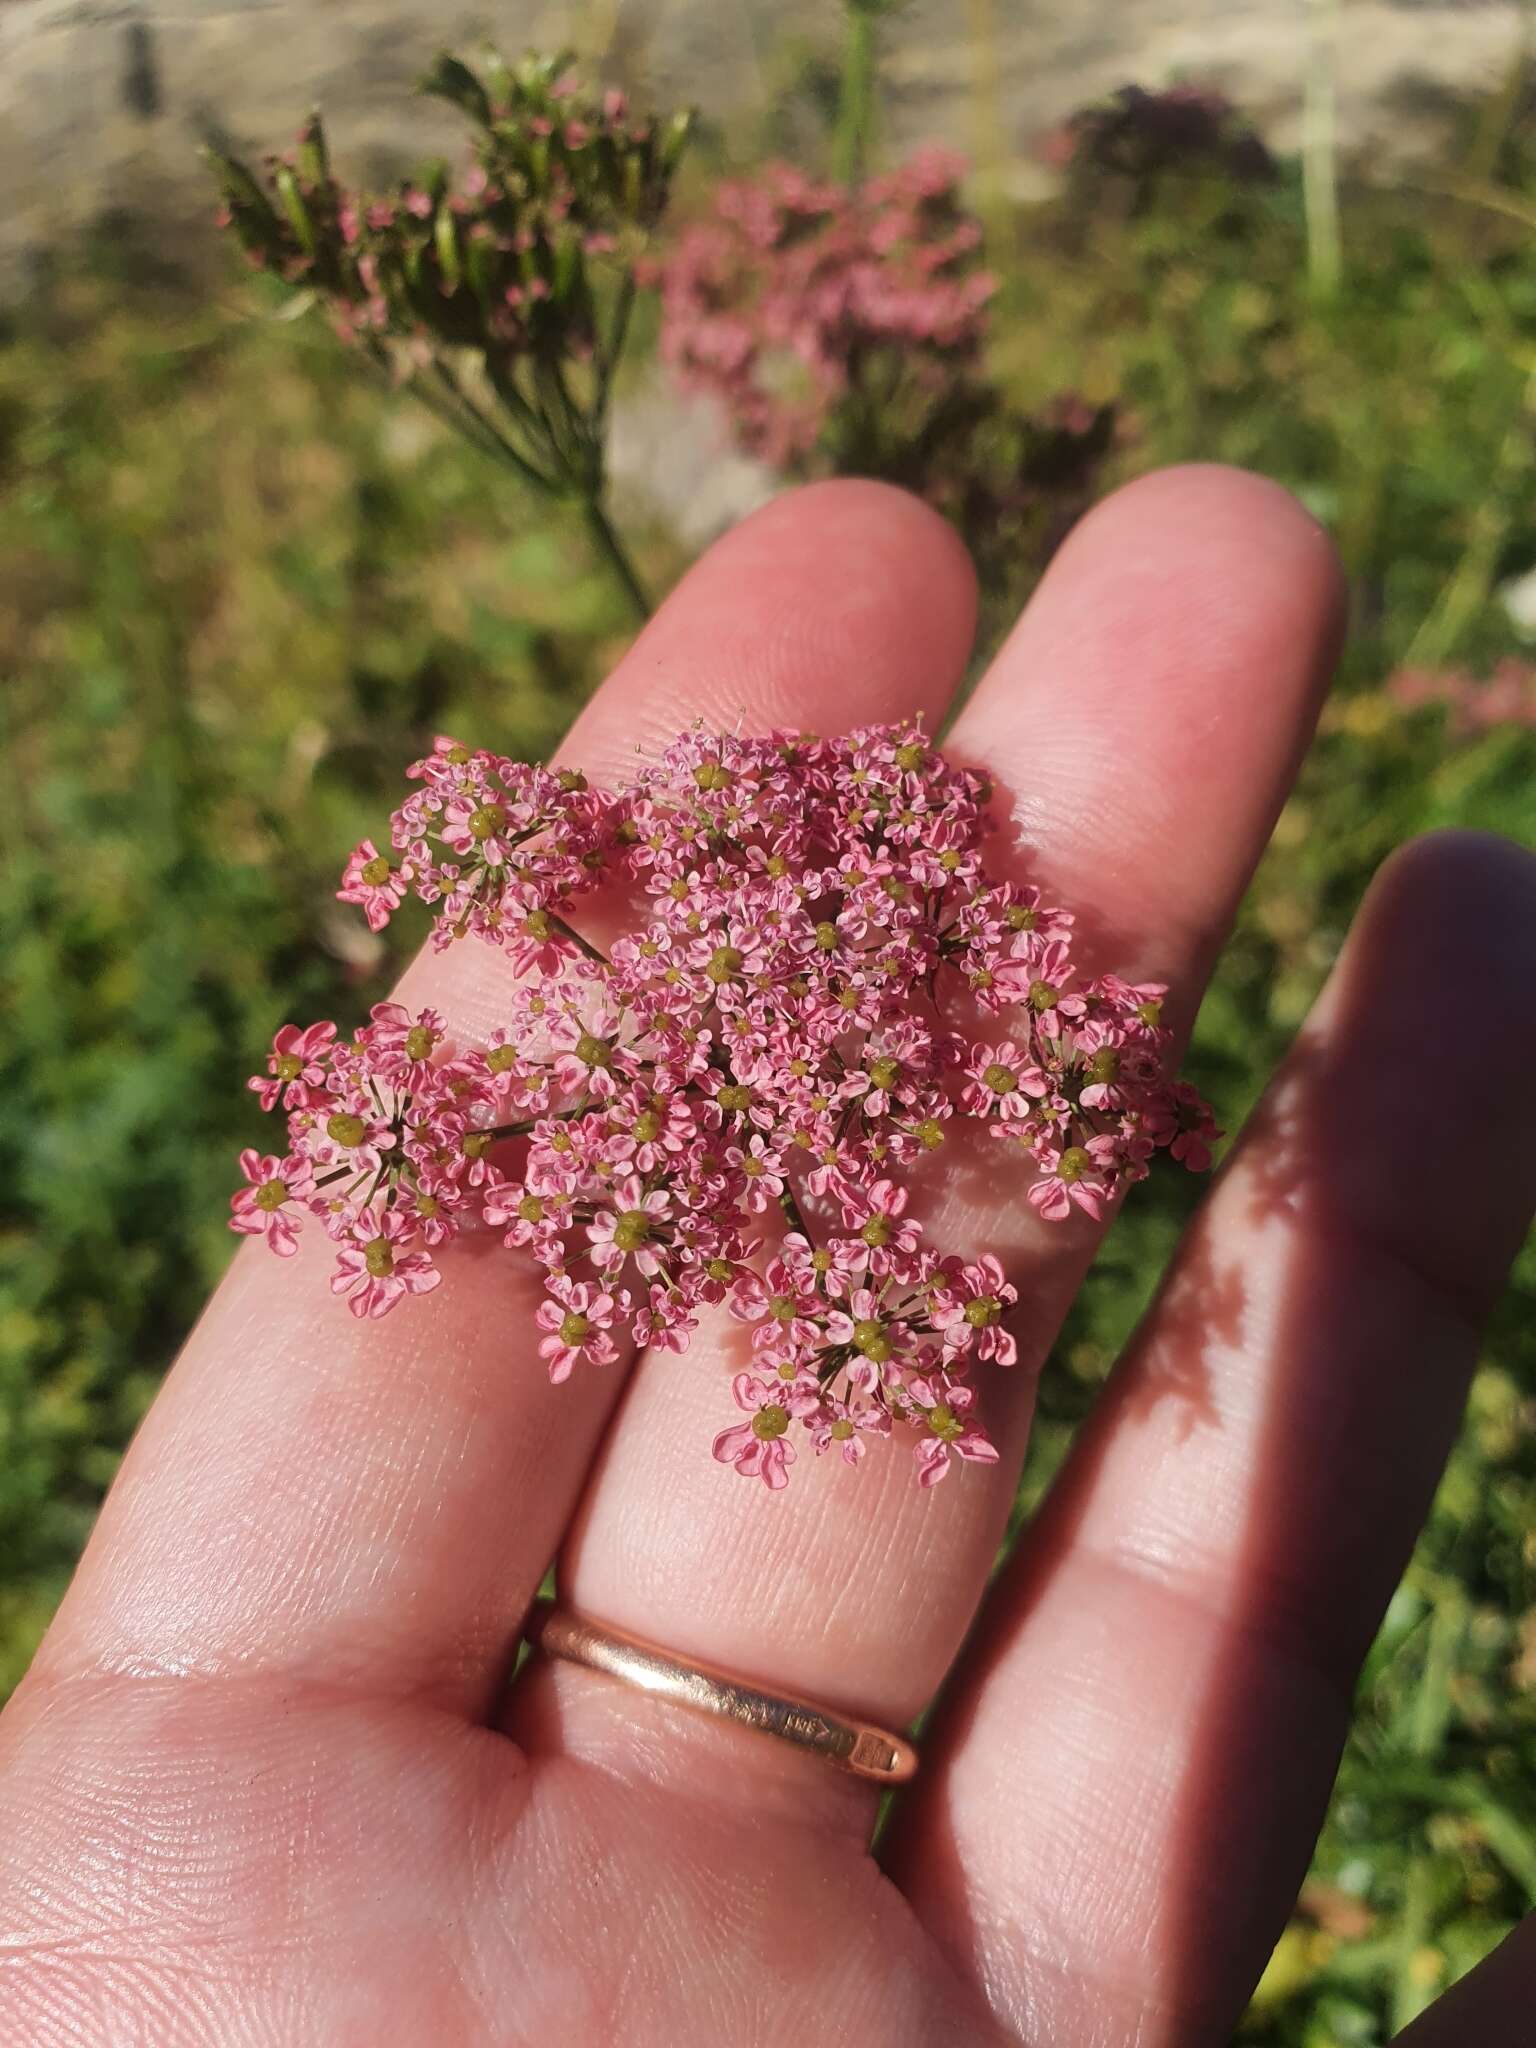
{"x": 102, "y": 102}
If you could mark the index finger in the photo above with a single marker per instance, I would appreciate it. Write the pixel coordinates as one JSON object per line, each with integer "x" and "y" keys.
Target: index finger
{"x": 375, "y": 1502}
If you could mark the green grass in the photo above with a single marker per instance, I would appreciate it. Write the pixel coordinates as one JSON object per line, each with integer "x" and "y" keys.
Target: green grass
{"x": 239, "y": 587}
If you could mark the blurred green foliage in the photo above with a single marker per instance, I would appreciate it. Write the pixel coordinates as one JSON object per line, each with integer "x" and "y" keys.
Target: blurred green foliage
{"x": 239, "y": 587}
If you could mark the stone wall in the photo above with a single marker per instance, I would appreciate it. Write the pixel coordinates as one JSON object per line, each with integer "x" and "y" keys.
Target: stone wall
{"x": 102, "y": 102}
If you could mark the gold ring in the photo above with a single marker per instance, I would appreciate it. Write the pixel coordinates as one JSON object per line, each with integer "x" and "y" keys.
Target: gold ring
{"x": 855, "y": 1746}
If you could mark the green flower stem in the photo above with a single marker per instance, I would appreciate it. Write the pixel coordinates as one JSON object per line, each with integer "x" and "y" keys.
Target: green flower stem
{"x": 1319, "y": 150}
{"x": 611, "y": 548}
{"x": 569, "y": 931}
{"x": 608, "y": 360}
{"x": 793, "y": 1215}
{"x": 855, "y": 114}
{"x": 528, "y": 471}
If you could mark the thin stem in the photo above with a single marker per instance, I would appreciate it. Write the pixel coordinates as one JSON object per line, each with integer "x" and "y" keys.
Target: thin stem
{"x": 792, "y": 1215}
{"x": 992, "y": 152}
{"x": 503, "y": 446}
{"x": 611, "y": 548}
{"x": 617, "y": 331}
{"x": 1319, "y": 149}
{"x": 474, "y": 430}
{"x": 569, "y": 931}
{"x": 530, "y": 418}
{"x": 856, "y": 105}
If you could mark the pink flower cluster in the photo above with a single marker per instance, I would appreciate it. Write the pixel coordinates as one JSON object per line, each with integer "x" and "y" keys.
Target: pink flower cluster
{"x": 1473, "y": 704}
{"x": 795, "y": 289}
{"x": 815, "y": 983}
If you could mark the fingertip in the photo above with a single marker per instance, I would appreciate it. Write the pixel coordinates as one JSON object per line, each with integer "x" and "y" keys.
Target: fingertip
{"x": 836, "y": 604}
{"x": 1230, "y": 560}
{"x": 1149, "y": 711}
{"x": 1447, "y": 932}
{"x": 1432, "y": 1098}
{"x": 1468, "y": 888}
{"x": 859, "y": 518}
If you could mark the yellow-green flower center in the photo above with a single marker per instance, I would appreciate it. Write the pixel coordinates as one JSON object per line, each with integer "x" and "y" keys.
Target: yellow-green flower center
{"x": 770, "y": 1422}
{"x": 632, "y": 1230}
{"x": 378, "y": 1258}
{"x": 1000, "y": 1079}
{"x": 271, "y": 1195}
{"x": 419, "y": 1042}
{"x": 873, "y": 1339}
{"x": 573, "y": 1327}
{"x": 346, "y": 1129}
{"x": 1073, "y": 1164}
{"x": 375, "y": 872}
{"x": 487, "y": 821}
{"x": 945, "y": 1423}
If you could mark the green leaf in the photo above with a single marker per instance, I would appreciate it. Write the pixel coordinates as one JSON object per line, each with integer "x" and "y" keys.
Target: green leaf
{"x": 238, "y": 186}
{"x": 293, "y": 205}
{"x": 445, "y": 236}
{"x": 314, "y": 161}
{"x": 449, "y": 79}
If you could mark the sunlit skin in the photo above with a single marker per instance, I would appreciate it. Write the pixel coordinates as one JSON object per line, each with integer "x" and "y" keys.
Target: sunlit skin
{"x": 265, "y": 1784}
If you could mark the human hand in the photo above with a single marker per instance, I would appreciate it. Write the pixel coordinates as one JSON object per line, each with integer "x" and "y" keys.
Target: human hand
{"x": 265, "y": 1782}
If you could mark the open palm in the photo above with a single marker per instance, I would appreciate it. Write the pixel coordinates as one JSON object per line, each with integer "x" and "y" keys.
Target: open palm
{"x": 266, "y": 1782}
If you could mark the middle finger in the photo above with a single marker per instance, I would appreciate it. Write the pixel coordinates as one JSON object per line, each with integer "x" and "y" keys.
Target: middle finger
{"x": 1144, "y": 721}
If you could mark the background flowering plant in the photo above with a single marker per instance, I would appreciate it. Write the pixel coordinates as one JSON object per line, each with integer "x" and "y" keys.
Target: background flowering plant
{"x": 504, "y": 298}
{"x": 803, "y": 1011}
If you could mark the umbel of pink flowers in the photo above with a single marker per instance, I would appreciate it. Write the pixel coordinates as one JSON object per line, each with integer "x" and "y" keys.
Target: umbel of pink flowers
{"x": 813, "y": 983}
{"x": 797, "y": 297}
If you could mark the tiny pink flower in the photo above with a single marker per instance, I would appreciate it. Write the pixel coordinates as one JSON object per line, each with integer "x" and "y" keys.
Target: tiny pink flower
{"x": 263, "y": 1207}
{"x": 375, "y": 1269}
{"x": 759, "y": 1449}
{"x": 1003, "y": 1081}
{"x": 373, "y": 884}
{"x": 296, "y": 1065}
{"x": 1069, "y": 1176}
{"x": 577, "y": 1317}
